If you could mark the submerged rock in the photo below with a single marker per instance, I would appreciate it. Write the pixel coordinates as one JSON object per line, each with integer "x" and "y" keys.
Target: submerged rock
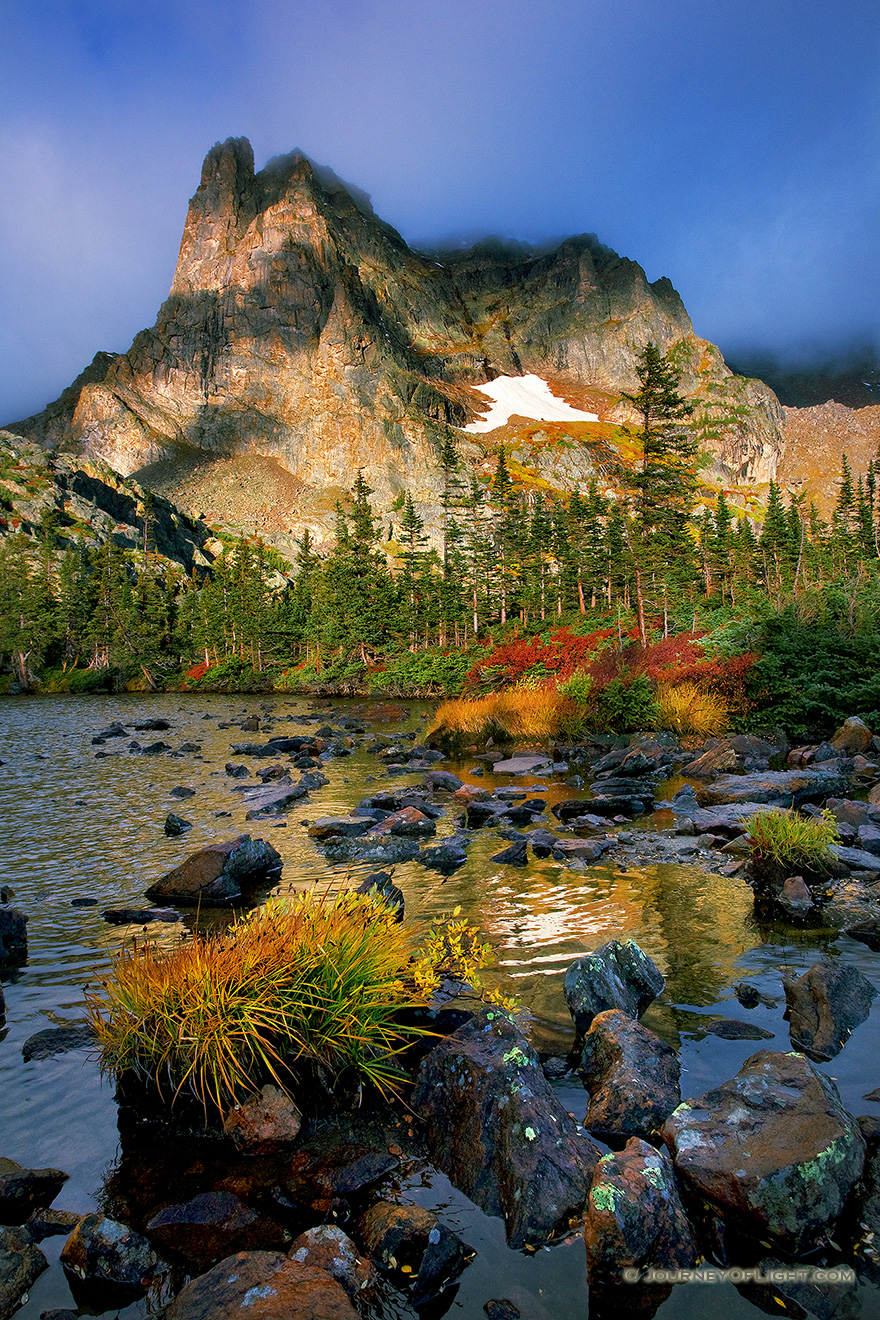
{"x": 617, "y": 975}
{"x": 217, "y": 876}
{"x": 824, "y": 1007}
{"x": 58, "y": 1040}
{"x": 773, "y": 1148}
{"x": 175, "y": 825}
{"x": 632, "y": 1077}
{"x": 410, "y": 1239}
{"x": 262, "y": 1285}
{"x": 22, "y": 1190}
{"x": 635, "y": 1218}
{"x": 497, "y": 1130}
{"x": 211, "y": 1226}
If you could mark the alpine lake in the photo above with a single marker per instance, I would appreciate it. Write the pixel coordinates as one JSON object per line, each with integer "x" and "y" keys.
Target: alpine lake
{"x": 78, "y": 826}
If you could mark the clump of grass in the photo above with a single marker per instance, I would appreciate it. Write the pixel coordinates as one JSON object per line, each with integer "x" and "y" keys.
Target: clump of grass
{"x": 316, "y": 983}
{"x": 690, "y": 709}
{"x": 532, "y": 714}
{"x": 788, "y": 842}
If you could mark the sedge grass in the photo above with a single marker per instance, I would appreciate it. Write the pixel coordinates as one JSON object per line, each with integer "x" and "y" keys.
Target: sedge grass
{"x": 531, "y": 714}
{"x": 789, "y": 842}
{"x": 304, "y": 981}
{"x": 689, "y": 709}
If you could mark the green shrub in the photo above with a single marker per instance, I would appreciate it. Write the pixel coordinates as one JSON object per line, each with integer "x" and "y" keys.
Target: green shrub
{"x": 785, "y": 844}
{"x": 423, "y": 673}
{"x": 626, "y": 706}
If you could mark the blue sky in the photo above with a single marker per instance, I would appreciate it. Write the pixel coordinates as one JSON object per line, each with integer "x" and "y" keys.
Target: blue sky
{"x": 729, "y": 144}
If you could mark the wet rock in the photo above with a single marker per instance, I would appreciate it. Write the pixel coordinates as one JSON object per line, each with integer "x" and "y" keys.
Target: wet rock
{"x": 581, "y": 850}
{"x": 21, "y": 1264}
{"x": 472, "y": 793}
{"x": 543, "y": 842}
{"x": 236, "y": 771}
{"x": 852, "y": 738}
{"x": 785, "y": 788}
{"x": 445, "y": 857}
{"x": 635, "y": 1218}
{"x": 139, "y": 916}
{"x": 617, "y": 975}
{"x": 51, "y": 1223}
{"x": 262, "y": 1285}
{"x": 478, "y": 814}
{"x": 101, "y": 1251}
{"x": 523, "y": 765}
{"x": 868, "y": 836}
{"x": 773, "y": 1148}
{"x": 154, "y": 749}
{"x": 263, "y": 1124}
{"x": 866, "y": 932}
{"x": 618, "y": 805}
{"x": 152, "y": 726}
{"x": 727, "y": 820}
{"x": 276, "y": 801}
{"x": 328, "y": 1248}
{"x": 750, "y": 997}
{"x": 497, "y": 1130}
{"x": 795, "y": 899}
{"x": 22, "y": 1190}
{"x": 218, "y": 876}
{"x": 175, "y": 825}
{"x": 856, "y": 859}
{"x": 386, "y": 849}
{"x": 57, "y": 1040}
{"x": 824, "y": 1007}
{"x": 250, "y": 725}
{"x": 339, "y": 1159}
{"x": 410, "y": 1240}
{"x": 443, "y": 780}
{"x": 211, "y": 1226}
{"x": 515, "y": 855}
{"x": 13, "y": 937}
{"x": 499, "y": 1308}
{"x": 336, "y": 827}
{"x": 717, "y": 761}
{"x": 382, "y": 886}
{"x": 407, "y": 823}
{"x": 632, "y": 1077}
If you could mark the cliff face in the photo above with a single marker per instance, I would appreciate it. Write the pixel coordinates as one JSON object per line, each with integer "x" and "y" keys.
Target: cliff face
{"x": 300, "y": 328}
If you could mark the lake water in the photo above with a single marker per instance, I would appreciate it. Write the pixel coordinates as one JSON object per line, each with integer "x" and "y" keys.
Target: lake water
{"x": 73, "y": 825}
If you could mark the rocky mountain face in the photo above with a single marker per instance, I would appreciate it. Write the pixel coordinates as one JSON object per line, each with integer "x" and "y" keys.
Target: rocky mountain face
{"x": 83, "y": 502}
{"x": 303, "y": 339}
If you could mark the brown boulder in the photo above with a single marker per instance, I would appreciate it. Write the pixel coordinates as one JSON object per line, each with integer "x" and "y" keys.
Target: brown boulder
{"x": 632, "y": 1077}
{"x": 328, "y": 1248}
{"x": 852, "y": 738}
{"x": 217, "y": 876}
{"x": 824, "y": 1007}
{"x": 263, "y": 1124}
{"x": 262, "y": 1285}
{"x": 211, "y": 1226}
{"x": 21, "y": 1190}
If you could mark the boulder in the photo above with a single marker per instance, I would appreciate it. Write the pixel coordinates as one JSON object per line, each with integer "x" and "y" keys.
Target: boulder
{"x": 101, "y": 1251}
{"x": 328, "y": 1248}
{"x": 407, "y": 823}
{"x": 410, "y": 1240}
{"x": 824, "y": 1007}
{"x": 523, "y": 765}
{"x": 339, "y": 827}
{"x": 340, "y": 1158}
{"x": 856, "y": 859}
{"x": 515, "y": 855}
{"x": 262, "y": 1285}
{"x": 380, "y": 885}
{"x": 543, "y": 842}
{"x": 853, "y": 738}
{"x": 773, "y": 1148}
{"x": 784, "y": 788}
{"x": 13, "y": 937}
{"x": 21, "y": 1190}
{"x": 581, "y": 850}
{"x": 869, "y": 838}
{"x": 443, "y": 780}
{"x": 628, "y": 804}
{"x": 236, "y": 771}
{"x": 218, "y": 876}
{"x": 635, "y": 1218}
{"x": 51, "y": 1223}
{"x": 21, "y": 1264}
{"x": 211, "y": 1226}
{"x": 632, "y": 1077}
{"x": 733, "y": 1029}
{"x": 728, "y": 820}
{"x": 795, "y": 899}
{"x": 445, "y": 857}
{"x": 497, "y": 1130}
{"x": 175, "y": 825}
{"x": 617, "y": 975}
{"x": 866, "y": 932}
{"x": 263, "y": 1124}
{"x": 717, "y": 761}
{"x": 275, "y": 801}
{"x": 139, "y": 916}
{"x": 58, "y": 1040}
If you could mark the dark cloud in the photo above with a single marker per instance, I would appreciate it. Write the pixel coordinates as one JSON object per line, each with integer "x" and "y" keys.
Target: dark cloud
{"x": 732, "y": 146}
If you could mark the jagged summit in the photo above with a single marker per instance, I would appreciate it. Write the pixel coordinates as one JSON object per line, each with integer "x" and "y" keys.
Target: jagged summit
{"x": 302, "y": 332}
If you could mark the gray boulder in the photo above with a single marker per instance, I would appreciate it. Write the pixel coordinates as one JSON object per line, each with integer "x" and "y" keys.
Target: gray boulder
{"x": 785, "y": 788}
{"x": 617, "y": 975}
{"x": 328, "y": 1248}
{"x": 773, "y": 1149}
{"x": 22, "y": 1190}
{"x": 102, "y": 1251}
{"x": 824, "y": 1007}
{"x": 21, "y": 1264}
{"x": 497, "y": 1130}
{"x": 211, "y": 1226}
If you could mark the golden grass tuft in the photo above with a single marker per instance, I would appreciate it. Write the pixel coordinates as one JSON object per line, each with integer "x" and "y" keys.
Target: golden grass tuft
{"x": 790, "y": 841}
{"x": 524, "y": 713}
{"x": 689, "y": 709}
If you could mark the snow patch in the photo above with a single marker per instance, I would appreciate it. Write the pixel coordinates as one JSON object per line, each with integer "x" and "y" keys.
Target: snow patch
{"x": 524, "y": 396}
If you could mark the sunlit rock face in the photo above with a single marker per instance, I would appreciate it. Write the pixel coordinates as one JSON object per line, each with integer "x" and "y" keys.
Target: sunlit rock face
{"x": 300, "y": 328}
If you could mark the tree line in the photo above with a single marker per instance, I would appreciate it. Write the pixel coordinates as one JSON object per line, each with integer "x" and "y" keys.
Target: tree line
{"x": 508, "y": 557}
